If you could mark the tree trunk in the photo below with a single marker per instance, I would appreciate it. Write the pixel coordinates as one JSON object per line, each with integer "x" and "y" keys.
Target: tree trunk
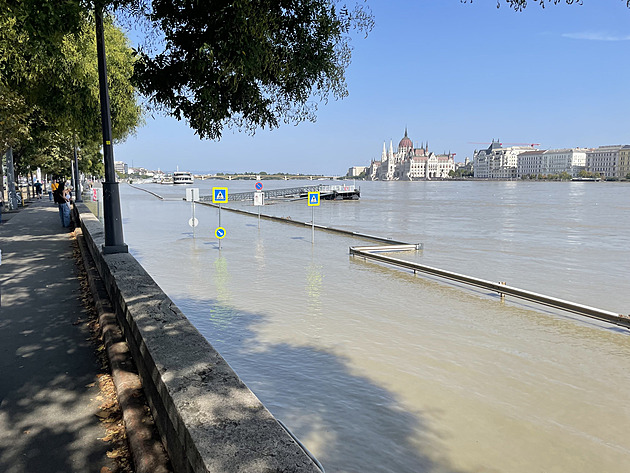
{"x": 12, "y": 197}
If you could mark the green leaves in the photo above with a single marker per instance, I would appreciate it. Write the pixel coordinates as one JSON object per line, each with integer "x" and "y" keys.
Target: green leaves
{"x": 246, "y": 64}
{"x": 49, "y": 81}
{"x": 520, "y": 5}
{"x": 239, "y": 63}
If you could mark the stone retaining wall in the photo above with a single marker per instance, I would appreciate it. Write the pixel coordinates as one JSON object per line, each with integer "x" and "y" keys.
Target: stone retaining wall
{"x": 208, "y": 419}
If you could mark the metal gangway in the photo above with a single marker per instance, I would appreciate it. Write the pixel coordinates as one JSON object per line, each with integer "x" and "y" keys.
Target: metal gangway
{"x": 296, "y": 192}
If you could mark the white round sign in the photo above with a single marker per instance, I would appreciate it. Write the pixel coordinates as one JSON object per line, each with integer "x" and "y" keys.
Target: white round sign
{"x": 193, "y": 222}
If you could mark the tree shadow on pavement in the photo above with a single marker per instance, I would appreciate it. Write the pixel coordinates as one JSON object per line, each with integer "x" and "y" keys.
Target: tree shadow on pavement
{"x": 47, "y": 360}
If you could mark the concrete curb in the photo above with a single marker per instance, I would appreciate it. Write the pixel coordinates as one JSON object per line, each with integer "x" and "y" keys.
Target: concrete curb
{"x": 145, "y": 445}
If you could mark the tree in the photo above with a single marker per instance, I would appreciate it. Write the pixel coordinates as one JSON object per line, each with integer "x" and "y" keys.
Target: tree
{"x": 520, "y": 5}
{"x": 248, "y": 64}
{"x": 49, "y": 87}
{"x": 242, "y": 64}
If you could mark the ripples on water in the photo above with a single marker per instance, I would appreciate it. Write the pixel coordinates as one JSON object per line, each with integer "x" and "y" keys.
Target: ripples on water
{"x": 378, "y": 370}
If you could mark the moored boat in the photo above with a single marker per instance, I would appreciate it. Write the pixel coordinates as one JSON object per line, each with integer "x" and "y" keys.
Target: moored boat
{"x": 183, "y": 177}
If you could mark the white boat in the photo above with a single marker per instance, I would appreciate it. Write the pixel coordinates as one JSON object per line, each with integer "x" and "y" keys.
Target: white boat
{"x": 182, "y": 177}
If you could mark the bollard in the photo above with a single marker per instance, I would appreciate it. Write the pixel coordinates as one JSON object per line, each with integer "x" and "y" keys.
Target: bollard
{"x": 502, "y": 294}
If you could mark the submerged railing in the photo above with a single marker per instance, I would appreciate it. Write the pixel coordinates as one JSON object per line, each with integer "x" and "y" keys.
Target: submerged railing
{"x": 371, "y": 252}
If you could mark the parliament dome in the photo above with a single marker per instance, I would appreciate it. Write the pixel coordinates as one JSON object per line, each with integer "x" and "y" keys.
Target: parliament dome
{"x": 405, "y": 142}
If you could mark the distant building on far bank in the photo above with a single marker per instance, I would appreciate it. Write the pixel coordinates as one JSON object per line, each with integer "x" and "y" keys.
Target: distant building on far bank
{"x": 121, "y": 167}
{"x": 409, "y": 163}
{"x": 604, "y": 161}
{"x": 355, "y": 171}
{"x": 497, "y": 162}
{"x": 624, "y": 162}
{"x": 552, "y": 161}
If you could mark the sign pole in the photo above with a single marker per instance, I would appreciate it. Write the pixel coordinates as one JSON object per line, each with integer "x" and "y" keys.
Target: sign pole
{"x": 259, "y": 198}
{"x": 192, "y": 195}
{"x": 313, "y": 201}
{"x": 219, "y": 196}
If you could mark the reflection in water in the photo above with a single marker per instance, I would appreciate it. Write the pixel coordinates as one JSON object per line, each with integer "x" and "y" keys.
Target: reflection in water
{"x": 260, "y": 254}
{"x": 314, "y": 278}
{"x": 221, "y": 279}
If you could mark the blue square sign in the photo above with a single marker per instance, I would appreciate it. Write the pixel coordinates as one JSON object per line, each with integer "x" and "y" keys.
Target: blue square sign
{"x": 313, "y": 199}
{"x": 219, "y": 195}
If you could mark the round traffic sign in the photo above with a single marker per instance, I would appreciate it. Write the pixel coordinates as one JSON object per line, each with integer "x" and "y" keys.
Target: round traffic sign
{"x": 259, "y": 185}
{"x": 193, "y": 222}
{"x": 219, "y": 232}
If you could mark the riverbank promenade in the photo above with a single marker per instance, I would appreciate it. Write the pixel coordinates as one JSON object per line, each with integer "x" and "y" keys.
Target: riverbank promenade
{"x": 48, "y": 366}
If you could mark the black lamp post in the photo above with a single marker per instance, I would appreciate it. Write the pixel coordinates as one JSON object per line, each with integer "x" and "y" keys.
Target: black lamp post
{"x": 114, "y": 241}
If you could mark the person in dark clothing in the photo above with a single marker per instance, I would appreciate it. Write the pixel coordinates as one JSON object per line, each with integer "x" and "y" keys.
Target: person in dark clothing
{"x": 60, "y": 197}
{"x": 38, "y": 189}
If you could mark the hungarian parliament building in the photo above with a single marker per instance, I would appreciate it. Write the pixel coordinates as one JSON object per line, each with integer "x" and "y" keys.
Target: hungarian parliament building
{"x": 410, "y": 164}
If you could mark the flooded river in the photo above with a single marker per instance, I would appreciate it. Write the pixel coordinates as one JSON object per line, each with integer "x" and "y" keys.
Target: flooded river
{"x": 378, "y": 370}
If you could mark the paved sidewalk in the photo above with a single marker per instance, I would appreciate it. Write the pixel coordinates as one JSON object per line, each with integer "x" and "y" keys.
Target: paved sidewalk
{"x": 48, "y": 366}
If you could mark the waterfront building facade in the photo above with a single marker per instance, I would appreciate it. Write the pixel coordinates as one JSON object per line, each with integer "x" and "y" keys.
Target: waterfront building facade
{"x": 121, "y": 167}
{"x": 497, "y": 162}
{"x": 624, "y": 162}
{"x": 604, "y": 160}
{"x": 553, "y": 161}
{"x": 355, "y": 171}
{"x": 409, "y": 163}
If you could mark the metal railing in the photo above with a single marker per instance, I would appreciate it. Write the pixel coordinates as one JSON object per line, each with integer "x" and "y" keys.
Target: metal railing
{"x": 240, "y": 196}
{"x": 370, "y": 252}
{"x": 287, "y": 192}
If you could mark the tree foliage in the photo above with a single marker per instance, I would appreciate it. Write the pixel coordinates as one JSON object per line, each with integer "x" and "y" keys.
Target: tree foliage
{"x": 248, "y": 64}
{"x": 49, "y": 92}
{"x": 520, "y": 5}
{"x": 241, "y": 63}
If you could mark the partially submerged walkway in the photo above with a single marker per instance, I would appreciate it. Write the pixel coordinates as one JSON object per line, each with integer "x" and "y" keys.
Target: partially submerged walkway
{"x": 48, "y": 367}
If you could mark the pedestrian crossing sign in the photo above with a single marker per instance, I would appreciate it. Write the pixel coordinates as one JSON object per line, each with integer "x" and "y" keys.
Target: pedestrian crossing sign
{"x": 313, "y": 199}
{"x": 219, "y": 195}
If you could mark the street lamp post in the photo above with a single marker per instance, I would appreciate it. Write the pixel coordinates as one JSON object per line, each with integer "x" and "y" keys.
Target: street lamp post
{"x": 114, "y": 241}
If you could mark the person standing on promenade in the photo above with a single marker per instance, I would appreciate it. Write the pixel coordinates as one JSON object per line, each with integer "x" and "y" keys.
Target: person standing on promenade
{"x": 61, "y": 199}
{"x": 38, "y": 189}
{"x": 53, "y": 187}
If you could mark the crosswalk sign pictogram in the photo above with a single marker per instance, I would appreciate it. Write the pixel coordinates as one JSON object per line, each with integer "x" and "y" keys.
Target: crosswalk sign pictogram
{"x": 313, "y": 199}
{"x": 219, "y": 195}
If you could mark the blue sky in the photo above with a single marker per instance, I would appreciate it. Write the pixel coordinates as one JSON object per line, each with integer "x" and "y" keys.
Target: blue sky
{"x": 454, "y": 74}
